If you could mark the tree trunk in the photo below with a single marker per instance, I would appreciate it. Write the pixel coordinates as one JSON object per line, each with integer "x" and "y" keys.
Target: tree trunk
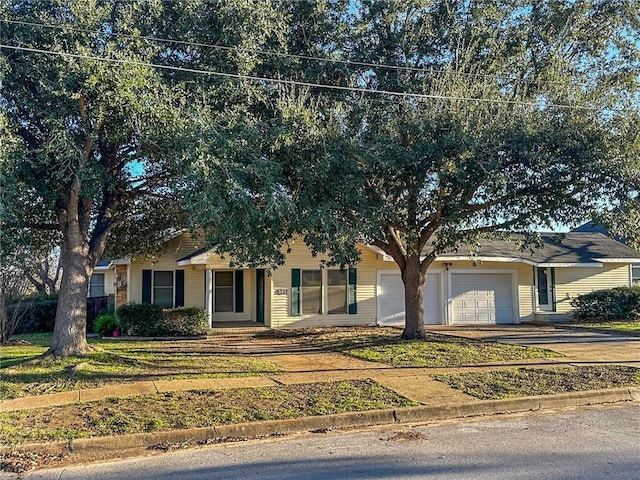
{"x": 70, "y": 329}
{"x": 69, "y": 332}
{"x": 414, "y": 280}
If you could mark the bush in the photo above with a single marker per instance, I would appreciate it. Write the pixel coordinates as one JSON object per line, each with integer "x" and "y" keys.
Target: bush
{"x": 41, "y": 317}
{"x": 186, "y": 321}
{"x": 143, "y": 320}
{"x": 106, "y": 324}
{"x": 146, "y": 320}
{"x": 619, "y": 303}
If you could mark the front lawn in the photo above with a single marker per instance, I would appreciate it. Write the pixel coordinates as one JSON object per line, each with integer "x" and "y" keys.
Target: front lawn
{"x": 379, "y": 344}
{"x": 178, "y": 410}
{"x": 522, "y": 382}
{"x": 383, "y": 344}
{"x": 620, "y": 327}
{"x": 117, "y": 362}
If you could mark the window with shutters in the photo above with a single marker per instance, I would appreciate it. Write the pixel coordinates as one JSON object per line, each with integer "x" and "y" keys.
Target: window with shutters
{"x": 337, "y": 291}
{"x": 163, "y": 293}
{"x": 311, "y": 291}
{"x": 224, "y": 292}
{"x": 323, "y": 292}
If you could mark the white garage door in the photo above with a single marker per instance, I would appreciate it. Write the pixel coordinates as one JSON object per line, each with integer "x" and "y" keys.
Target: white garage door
{"x": 391, "y": 299}
{"x": 482, "y": 298}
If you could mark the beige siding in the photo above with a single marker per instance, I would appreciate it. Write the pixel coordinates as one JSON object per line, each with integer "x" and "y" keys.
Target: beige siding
{"x": 573, "y": 281}
{"x": 175, "y": 249}
{"x": 300, "y": 257}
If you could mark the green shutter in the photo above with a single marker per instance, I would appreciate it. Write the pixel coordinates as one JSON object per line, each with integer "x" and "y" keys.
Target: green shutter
{"x": 553, "y": 287}
{"x": 351, "y": 292}
{"x": 179, "y": 295}
{"x": 295, "y": 291}
{"x": 146, "y": 286}
{"x": 239, "y": 286}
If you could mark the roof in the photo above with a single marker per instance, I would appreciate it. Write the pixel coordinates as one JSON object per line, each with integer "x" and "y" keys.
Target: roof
{"x": 187, "y": 258}
{"x": 104, "y": 264}
{"x": 559, "y": 249}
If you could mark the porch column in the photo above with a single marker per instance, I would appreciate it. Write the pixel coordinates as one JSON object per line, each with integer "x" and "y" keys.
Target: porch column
{"x": 208, "y": 293}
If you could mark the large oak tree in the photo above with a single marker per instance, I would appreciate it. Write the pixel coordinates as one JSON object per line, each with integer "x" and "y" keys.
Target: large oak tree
{"x": 100, "y": 128}
{"x": 496, "y": 117}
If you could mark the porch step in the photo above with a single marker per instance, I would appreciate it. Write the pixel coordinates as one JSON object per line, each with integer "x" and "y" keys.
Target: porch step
{"x": 244, "y": 328}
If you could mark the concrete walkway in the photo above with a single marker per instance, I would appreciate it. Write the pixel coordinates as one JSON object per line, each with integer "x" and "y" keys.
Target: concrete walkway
{"x": 302, "y": 364}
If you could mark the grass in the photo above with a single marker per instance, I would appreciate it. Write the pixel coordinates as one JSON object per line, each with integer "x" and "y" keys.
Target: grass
{"x": 615, "y": 326}
{"x": 117, "y": 362}
{"x": 523, "y": 382}
{"x": 385, "y": 345}
{"x": 177, "y": 410}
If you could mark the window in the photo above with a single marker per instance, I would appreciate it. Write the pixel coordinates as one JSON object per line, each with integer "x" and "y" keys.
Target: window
{"x": 311, "y": 289}
{"x": 635, "y": 274}
{"x": 163, "y": 288}
{"x": 224, "y": 292}
{"x": 337, "y": 291}
{"x": 323, "y": 292}
{"x": 96, "y": 285}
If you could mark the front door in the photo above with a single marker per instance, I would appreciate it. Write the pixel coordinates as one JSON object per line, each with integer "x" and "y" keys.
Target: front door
{"x": 544, "y": 286}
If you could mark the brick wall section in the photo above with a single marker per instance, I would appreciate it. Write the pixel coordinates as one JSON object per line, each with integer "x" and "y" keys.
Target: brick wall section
{"x": 121, "y": 285}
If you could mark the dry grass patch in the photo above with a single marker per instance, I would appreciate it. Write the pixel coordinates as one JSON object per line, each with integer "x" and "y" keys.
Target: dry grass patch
{"x": 178, "y": 410}
{"x": 522, "y": 382}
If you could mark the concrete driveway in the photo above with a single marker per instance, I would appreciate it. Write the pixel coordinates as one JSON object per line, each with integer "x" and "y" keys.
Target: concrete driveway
{"x": 579, "y": 346}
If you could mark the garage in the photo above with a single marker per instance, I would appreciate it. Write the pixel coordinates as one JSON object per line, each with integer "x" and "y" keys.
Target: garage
{"x": 391, "y": 299}
{"x": 482, "y": 298}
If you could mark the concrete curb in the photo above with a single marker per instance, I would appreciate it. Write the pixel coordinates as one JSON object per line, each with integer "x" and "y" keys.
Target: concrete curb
{"x": 328, "y": 422}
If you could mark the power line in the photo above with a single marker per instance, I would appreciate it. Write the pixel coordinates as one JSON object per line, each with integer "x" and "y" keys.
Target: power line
{"x": 236, "y": 76}
{"x": 267, "y": 52}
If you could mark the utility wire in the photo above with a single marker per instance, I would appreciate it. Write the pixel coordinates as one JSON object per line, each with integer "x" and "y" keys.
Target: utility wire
{"x": 417, "y": 96}
{"x": 267, "y": 52}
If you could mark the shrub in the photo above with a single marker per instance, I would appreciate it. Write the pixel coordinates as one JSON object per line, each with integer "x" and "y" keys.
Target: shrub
{"x": 146, "y": 320}
{"x": 619, "y": 303}
{"x": 186, "y": 321}
{"x": 142, "y": 320}
{"x": 105, "y": 324}
{"x": 41, "y": 318}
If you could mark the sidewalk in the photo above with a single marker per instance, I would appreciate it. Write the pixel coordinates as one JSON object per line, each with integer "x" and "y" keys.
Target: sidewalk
{"x": 303, "y": 365}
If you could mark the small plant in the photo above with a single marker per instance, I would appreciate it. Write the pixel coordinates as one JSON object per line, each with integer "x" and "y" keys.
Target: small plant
{"x": 106, "y": 324}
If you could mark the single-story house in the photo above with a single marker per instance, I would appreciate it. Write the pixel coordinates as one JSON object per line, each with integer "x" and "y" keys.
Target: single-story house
{"x": 498, "y": 284}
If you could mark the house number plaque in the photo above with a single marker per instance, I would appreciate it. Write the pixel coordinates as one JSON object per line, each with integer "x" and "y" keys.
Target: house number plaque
{"x": 280, "y": 291}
